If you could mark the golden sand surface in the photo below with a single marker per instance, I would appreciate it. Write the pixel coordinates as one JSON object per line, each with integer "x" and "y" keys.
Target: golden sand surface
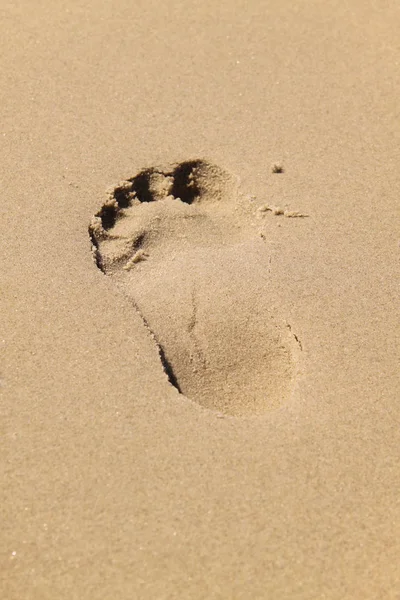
{"x": 199, "y": 287}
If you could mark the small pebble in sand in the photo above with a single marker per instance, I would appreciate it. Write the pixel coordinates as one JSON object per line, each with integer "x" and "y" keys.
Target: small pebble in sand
{"x": 277, "y": 168}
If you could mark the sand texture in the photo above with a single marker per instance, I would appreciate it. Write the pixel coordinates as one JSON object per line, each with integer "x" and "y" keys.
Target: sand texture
{"x": 199, "y": 288}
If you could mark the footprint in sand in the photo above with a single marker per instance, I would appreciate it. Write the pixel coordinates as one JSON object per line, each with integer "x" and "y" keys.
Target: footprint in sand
{"x": 181, "y": 243}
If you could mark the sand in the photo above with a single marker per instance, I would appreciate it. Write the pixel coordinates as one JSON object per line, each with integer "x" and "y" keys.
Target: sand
{"x": 200, "y": 243}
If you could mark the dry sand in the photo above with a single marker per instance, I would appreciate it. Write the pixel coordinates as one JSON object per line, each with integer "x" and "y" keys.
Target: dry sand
{"x": 214, "y": 412}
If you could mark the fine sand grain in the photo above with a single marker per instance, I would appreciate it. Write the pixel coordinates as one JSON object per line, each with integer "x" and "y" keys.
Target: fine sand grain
{"x": 199, "y": 287}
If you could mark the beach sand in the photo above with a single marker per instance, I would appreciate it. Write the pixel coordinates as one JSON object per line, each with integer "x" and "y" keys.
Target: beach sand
{"x": 199, "y": 326}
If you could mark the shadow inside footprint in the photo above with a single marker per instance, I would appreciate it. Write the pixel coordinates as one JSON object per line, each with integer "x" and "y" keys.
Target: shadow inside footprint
{"x": 173, "y": 241}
